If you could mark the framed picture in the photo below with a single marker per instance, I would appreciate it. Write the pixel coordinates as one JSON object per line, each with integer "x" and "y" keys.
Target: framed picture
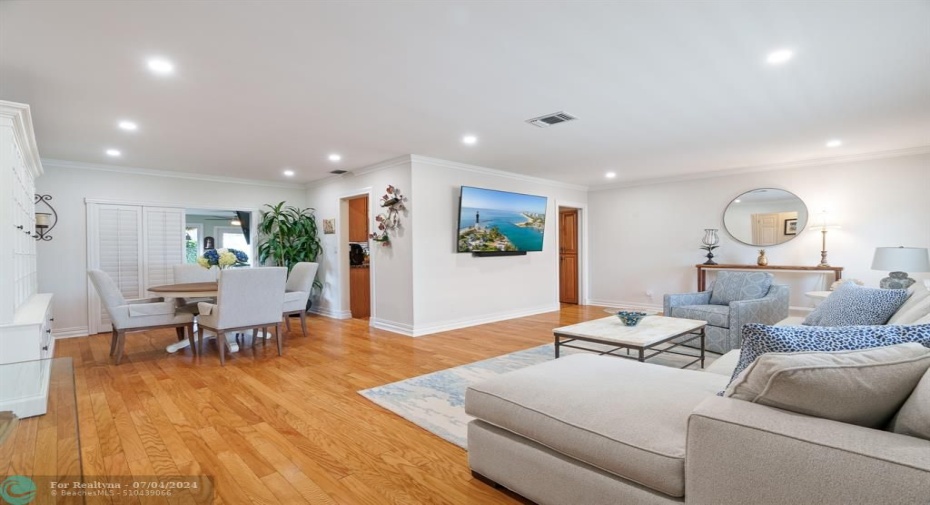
{"x": 791, "y": 226}
{"x": 329, "y": 226}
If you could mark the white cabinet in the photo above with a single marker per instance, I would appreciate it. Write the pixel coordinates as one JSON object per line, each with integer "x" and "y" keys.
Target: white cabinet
{"x": 25, "y": 315}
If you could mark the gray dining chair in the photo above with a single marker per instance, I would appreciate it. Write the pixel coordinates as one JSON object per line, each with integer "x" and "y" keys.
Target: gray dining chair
{"x": 137, "y": 315}
{"x": 297, "y": 292}
{"x": 247, "y": 298}
{"x": 185, "y": 274}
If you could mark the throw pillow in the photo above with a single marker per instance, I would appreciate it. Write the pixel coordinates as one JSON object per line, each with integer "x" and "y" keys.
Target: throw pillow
{"x": 852, "y": 305}
{"x": 916, "y": 306}
{"x": 758, "y": 339}
{"x": 914, "y": 417}
{"x": 735, "y": 286}
{"x": 863, "y": 387}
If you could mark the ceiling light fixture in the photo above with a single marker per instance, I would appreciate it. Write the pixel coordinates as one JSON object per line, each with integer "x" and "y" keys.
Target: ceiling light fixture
{"x": 289, "y": 173}
{"x": 235, "y": 222}
{"x": 335, "y": 157}
{"x": 779, "y": 57}
{"x": 834, "y": 143}
{"x": 161, "y": 66}
{"x": 610, "y": 175}
{"x": 128, "y": 125}
{"x": 114, "y": 152}
{"x": 469, "y": 139}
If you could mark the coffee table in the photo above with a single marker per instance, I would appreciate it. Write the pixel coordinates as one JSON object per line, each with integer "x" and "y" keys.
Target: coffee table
{"x": 645, "y": 336}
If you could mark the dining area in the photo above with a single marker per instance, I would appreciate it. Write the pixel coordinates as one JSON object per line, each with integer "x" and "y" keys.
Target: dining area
{"x": 233, "y": 307}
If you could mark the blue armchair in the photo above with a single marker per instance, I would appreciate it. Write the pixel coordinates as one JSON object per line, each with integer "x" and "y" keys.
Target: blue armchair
{"x": 735, "y": 299}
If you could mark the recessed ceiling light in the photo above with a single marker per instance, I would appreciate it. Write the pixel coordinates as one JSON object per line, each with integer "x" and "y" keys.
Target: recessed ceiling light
{"x": 469, "y": 139}
{"x": 161, "y": 66}
{"x": 289, "y": 173}
{"x": 610, "y": 175}
{"x": 834, "y": 143}
{"x": 335, "y": 157}
{"x": 128, "y": 125}
{"x": 736, "y": 201}
{"x": 114, "y": 152}
{"x": 779, "y": 57}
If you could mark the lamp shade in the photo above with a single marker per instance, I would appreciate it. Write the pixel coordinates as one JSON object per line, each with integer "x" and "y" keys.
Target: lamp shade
{"x": 901, "y": 259}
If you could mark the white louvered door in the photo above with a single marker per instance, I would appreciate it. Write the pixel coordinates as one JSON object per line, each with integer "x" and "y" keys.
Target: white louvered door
{"x": 163, "y": 244}
{"x": 136, "y": 246}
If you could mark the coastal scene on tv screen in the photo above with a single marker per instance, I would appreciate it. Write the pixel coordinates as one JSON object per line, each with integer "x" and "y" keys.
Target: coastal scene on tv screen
{"x": 491, "y": 220}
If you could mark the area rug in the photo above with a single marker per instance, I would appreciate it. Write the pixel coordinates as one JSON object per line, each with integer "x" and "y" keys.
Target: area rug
{"x": 436, "y": 401}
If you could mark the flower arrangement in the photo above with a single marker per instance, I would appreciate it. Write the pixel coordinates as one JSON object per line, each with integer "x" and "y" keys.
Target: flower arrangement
{"x": 223, "y": 258}
{"x": 393, "y": 202}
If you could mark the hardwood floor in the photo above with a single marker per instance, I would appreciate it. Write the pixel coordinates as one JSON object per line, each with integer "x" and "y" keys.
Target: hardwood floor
{"x": 287, "y": 429}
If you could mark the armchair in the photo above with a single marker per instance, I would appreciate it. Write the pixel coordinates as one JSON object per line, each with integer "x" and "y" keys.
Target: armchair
{"x": 297, "y": 292}
{"x": 137, "y": 315}
{"x": 735, "y": 299}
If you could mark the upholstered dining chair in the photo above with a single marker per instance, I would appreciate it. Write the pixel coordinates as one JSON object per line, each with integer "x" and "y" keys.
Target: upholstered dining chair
{"x": 297, "y": 292}
{"x": 137, "y": 315}
{"x": 247, "y": 298}
{"x": 735, "y": 299}
{"x": 184, "y": 274}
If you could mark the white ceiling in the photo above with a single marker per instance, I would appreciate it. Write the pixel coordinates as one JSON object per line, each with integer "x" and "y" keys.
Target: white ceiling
{"x": 662, "y": 89}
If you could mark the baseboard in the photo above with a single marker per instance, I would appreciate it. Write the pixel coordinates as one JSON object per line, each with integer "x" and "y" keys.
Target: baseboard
{"x": 419, "y": 331}
{"x": 335, "y": 314}
{"x": 645, "y": 307}
{"x": 75, "y": 331}
{"x": 391, "y": 326}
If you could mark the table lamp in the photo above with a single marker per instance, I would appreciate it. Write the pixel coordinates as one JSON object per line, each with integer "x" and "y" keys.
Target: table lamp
{"x": 898, "y": 259}
{"x": 824, "y": 222}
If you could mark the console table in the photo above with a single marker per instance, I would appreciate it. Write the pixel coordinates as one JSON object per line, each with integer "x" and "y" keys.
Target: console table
{"x": 702, "y": 271}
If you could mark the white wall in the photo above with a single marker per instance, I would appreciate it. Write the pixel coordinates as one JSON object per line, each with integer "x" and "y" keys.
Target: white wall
{"x": 647, "y": 238}
{"x": 453, "y": 290}
{"x": 62, "y": 262}
{"x": 391, "y": 267}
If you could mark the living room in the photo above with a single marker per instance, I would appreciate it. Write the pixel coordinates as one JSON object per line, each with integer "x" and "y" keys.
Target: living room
{"x": 679, "y": 109}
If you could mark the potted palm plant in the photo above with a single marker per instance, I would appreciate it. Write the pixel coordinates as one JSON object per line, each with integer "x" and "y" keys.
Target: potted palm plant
{"x": 287, "y": 236}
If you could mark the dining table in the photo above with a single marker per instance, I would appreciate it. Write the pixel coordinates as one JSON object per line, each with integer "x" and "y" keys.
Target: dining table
{"x": 195, "y": 290}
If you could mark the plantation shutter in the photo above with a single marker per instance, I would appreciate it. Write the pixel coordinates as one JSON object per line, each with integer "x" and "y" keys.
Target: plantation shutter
{"x": 115, "y": 247}
{"x": 163, "y": 244}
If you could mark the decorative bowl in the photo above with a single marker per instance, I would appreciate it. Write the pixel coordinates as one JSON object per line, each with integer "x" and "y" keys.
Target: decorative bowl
{"x": 631, "y": 318}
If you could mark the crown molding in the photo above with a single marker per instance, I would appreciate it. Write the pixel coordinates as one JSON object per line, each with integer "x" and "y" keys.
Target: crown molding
{"x": 382, "y": 165}
{"x": 21, "y": 117}
{"x": 816, "y": 162}
{"x": 426, "y": 160}
{"x": 79, "y": 165}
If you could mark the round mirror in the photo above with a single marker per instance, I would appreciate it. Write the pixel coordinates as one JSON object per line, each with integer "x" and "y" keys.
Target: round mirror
{"x": 765, "y": 217}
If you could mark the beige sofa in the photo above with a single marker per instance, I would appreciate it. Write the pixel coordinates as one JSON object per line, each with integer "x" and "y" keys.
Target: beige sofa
{"x": 589, "y": 429}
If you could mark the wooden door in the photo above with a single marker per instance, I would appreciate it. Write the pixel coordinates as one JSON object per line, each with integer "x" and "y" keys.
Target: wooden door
{"x": 358, "y": 219}
{"x": 568, "y": 255}
{"x": 360, "y": 291}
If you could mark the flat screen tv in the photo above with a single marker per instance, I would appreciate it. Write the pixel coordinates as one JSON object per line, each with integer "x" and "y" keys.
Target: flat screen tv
{"x": 491, "y": 220}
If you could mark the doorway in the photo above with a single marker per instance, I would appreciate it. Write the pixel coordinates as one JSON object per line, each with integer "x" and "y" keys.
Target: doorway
{"x": 359, "y": 266}
{"x": 568, "y": 255}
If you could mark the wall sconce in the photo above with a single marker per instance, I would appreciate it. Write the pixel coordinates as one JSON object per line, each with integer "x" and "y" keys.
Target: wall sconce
{"x": 45, "y": 221}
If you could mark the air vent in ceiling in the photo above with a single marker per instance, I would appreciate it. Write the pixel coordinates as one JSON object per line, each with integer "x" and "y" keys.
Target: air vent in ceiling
{"x": 551, "y": 119}
{"x": 338, "y": 172}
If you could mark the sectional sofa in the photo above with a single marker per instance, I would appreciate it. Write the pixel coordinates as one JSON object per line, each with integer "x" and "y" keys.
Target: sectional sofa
{"x": 588, "y": 429}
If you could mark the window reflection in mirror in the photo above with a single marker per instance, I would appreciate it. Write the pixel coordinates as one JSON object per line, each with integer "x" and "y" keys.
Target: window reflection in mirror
{"x": 765, "y": 217}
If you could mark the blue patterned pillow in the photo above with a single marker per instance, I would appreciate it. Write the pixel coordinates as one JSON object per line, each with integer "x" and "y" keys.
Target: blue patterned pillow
{"x": 735, "y": 286}
{"x": 759, "y": 339}
{"x": 852, "y": 305}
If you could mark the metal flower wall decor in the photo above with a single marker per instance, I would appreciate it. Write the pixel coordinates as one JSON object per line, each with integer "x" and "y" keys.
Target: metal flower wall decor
{"x": 393, "y": 204}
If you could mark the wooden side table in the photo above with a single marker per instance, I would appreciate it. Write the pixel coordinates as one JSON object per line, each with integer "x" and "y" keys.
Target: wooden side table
{"x": 702, "y": 271}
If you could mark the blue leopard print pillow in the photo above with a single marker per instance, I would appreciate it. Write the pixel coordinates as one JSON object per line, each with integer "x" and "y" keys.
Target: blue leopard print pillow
{"x": 852, "y": 305}
{"x": 759, "y": 339}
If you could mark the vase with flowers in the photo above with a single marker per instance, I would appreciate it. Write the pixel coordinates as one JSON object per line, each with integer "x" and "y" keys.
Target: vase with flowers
{"x": 223, "y": 258}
